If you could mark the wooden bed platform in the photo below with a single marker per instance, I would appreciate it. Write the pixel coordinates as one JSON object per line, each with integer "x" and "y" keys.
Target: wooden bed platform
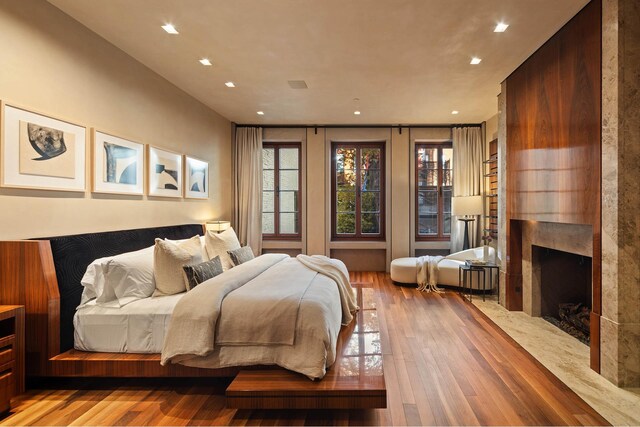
{"x": 32, "y": 276}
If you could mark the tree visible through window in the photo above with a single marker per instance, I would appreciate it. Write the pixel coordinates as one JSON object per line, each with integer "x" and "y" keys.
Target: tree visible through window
{"x": 434, "y": 186}
{"x": 281, "y": 195}
{"x": 357, "y": 191}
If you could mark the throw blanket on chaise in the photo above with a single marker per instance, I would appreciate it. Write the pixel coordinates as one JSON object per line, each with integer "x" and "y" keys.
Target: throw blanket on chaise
{"x": 427, "y": 276}
{"x": 270, "y": 310}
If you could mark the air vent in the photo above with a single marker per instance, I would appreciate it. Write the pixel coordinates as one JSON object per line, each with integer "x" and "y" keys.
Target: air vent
{"x": 298, "y": 84}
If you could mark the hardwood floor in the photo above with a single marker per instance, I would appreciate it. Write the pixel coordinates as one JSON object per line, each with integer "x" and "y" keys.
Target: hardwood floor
{"x": 445, "y": 363}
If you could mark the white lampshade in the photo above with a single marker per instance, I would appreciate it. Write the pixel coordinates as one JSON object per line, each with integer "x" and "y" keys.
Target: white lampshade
{"x": 218, "y": 226}
{"x": 466, "y": 205}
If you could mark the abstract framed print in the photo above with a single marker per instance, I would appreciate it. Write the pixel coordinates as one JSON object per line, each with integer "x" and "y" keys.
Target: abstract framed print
{"x": 165, "y": 173}
{"x": 196, "y": 178}
{"x": 41, "y": 152}
{"x": 118, "y": 165}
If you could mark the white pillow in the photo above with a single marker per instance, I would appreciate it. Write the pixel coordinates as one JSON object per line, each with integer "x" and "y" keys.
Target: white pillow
{"x": 130, "y": 269}
{"x": 169, "y": 258}
{"x": 219, "y": 243}
{"x": 128, "y": 278}
{"x": 93, "y": 280}
{"x": 205, "y": 256}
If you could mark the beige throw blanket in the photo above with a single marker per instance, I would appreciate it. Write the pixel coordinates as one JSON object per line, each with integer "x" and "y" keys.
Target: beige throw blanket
{"x": 337, "y": 271}
{"x": 265, "y": 310}
{"x": 427, "y": 267}
{"x": 193, "y": 323}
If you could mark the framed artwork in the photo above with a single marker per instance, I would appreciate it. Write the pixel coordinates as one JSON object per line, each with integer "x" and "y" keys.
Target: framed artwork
{"x": 165, "y": 173}
{"x": 118, "y": 165}
{"x": 196, "y": 178}
{"x": 41, "y": 152}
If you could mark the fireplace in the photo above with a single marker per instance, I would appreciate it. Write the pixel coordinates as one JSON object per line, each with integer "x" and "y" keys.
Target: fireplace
{"x": 565, "y": 289}
{"x": 554, "y": 249}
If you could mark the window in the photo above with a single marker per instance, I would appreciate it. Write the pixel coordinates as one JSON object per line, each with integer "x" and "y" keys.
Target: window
{"x": 434, "y": 186}
{"x": 281, "y": 195}
{"x": 357, "y": 186}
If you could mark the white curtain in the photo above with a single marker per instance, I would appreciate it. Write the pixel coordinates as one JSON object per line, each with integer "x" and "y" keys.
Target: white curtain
{"x": 468, "y": 180}
{"x": 248, "y": 187}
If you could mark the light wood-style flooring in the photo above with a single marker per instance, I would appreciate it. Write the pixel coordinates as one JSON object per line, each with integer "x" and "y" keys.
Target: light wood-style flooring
{"x": 445, "y": 363}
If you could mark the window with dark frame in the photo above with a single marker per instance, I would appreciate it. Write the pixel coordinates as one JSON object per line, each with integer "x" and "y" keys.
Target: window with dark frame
{"x": 281, "y": 191}
{"x": 434, "y": 189}
{"x": 358, "y": 191}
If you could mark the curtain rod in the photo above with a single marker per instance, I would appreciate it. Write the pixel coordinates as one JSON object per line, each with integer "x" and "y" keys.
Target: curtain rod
{"x": 357, "y": 126}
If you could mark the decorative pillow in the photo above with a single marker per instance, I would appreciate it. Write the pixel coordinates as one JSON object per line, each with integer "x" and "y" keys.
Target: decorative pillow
{"x": 219, "y": 244}
{"x": 241, "y": 255}
{"x": 168, "y": 260}
{"x": 202, "y": 245}
{"x": 198, "y": 273}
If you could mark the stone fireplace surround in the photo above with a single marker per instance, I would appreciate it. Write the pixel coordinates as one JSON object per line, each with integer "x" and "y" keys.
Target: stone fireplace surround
{"x": 573, "y": 238}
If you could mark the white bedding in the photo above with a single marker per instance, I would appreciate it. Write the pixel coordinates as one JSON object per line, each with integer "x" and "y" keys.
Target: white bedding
{"x": 304, "y": 343}
{"x": 138, "y": 327}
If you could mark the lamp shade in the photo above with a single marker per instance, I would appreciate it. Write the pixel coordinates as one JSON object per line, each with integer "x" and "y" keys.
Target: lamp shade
{"x": 218, "y": 226}
{"x": 466, "y": 205}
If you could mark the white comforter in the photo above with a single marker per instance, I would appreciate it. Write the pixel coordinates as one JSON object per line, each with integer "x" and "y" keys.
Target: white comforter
{"x": 270, "y": 310}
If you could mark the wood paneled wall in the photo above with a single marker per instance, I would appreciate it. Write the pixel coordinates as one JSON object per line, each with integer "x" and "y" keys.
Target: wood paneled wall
{"x": 554, "y": 145}
{"x": 553, "y": 126}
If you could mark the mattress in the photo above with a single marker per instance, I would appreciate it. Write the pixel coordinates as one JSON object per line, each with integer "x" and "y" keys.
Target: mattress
{"x": 138, "y": 327}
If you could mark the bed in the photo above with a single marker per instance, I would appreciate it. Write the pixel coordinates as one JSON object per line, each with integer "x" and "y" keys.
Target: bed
{"x": 46, "y": 279}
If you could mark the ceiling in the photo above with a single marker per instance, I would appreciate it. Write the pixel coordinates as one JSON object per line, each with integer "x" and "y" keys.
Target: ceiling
{"x": 407, "y": 61}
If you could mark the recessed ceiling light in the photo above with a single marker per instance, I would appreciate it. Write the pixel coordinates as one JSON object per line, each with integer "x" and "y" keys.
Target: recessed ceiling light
{"x": 260, "y": 113}
{"x": 455, "y": 112}
{"x": 170, "y": 29}
{"x": 230, "y": 84}
{"x": 205, "y": 61}
{"x": 357, "y": 113}
{"x": 501, "y": 27}
{"x": 297, "y": 84}
{"x": 475, "y": 60}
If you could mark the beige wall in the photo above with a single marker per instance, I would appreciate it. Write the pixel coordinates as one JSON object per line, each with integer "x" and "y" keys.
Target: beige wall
{"x": 491, "y": 129}
{"x": 52, "y": 64}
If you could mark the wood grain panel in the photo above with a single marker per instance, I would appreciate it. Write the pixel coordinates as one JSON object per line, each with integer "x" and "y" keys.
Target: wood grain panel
{"x": 553, "y": 127}
{"x": 554, "y": 144}
{"x": 445, "y": 363}
{"x": 28, "y": 278}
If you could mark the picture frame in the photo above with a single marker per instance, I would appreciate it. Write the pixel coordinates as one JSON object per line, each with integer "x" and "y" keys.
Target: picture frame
{"x": 39, "y": 151}
{"x": 196, "y": 178}
{"x": 118, "y": 164}
{"x": 164, "y": 173}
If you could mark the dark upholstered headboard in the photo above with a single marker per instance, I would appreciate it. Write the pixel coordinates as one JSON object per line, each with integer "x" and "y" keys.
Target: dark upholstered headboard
{"x": 73, "y": 254}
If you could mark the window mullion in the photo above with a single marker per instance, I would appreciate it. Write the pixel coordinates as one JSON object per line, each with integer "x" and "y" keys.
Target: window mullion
{"x": 440, "y": 206}
{"x": 276, "y": 199}
{"x": 358, "y": 194}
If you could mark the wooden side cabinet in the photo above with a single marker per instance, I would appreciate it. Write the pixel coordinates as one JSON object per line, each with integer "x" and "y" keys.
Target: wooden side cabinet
{"x": 11, "y": 354}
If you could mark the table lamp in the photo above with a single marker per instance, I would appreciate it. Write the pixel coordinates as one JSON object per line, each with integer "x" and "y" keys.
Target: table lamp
{"x": 466, "y": 207}
{"x": 218, "y": 226}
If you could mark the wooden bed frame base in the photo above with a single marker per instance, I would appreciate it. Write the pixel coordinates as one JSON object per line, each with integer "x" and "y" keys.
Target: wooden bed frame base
{"x": 28, "y": 278}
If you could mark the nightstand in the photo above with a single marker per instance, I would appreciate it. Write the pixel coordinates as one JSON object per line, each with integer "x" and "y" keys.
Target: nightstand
{"x": 11, "y": 354}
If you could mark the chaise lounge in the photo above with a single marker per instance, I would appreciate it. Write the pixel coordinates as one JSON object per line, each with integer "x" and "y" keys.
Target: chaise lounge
{"x": 404, "y": 270}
